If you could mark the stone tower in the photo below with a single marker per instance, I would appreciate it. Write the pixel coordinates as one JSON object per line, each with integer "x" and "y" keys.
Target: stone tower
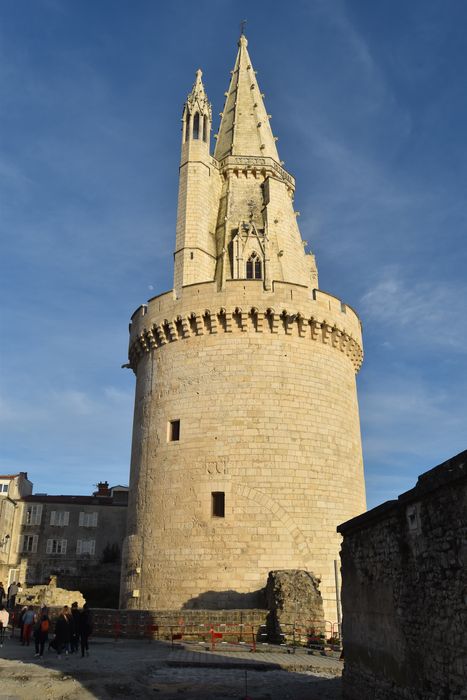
{"x": 246, "y": 440}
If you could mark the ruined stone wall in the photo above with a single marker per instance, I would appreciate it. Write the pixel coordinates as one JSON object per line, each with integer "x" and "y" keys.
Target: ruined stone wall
{"x": 404, "y": 583}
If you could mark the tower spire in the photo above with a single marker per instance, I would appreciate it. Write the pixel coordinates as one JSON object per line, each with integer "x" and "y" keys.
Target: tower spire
{"x": 244, "y": 128}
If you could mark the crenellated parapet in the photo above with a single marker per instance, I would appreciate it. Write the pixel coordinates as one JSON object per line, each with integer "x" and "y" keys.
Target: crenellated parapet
{"x": 289, "y": 312}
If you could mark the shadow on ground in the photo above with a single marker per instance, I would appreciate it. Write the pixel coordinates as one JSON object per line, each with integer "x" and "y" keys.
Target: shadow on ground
{"x": 140, "y": 669}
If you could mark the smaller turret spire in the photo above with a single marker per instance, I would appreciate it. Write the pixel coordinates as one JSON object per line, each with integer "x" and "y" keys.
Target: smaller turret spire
{"x": 197, "y": 112}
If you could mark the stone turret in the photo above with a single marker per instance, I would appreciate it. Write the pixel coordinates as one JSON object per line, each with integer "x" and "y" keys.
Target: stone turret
{"x": 195, "y": 246}
{"x": 246, "y": 441}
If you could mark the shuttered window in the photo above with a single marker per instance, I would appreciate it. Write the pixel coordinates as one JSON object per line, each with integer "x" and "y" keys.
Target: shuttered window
{"x": 88, "y": 519}
{"x": 86, "y": 547}
{"x": 56, "y": 546}
{"x": 28, "y": 543}
{"x": 60, "y": 518}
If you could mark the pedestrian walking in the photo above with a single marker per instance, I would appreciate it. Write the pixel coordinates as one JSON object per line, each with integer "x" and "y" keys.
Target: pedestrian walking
{"x": 62, "y": 632}
{"x": 85, "y": 629}
{"x": 41, "y": 632}
{"x": 29, "y": 619}
{"x": 21, "y": 615}
{"x": 2, "y": 593}
{"x": 74, "y": 627}
{"x": 4, "y": 619}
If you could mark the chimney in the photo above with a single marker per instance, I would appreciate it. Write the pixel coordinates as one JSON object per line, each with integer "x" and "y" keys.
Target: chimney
{"x": 102, "y": 489}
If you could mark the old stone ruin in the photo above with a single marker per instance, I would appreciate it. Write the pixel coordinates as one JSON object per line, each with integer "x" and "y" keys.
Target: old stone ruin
{"x": 292, "y": 597}
{"x": 49, "y": 595}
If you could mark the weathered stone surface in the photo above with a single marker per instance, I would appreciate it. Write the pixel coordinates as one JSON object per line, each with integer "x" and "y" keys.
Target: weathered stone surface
{"x": 293, "y": 598}
{"x": 49, "y": 595}
{"x": 404, "y": 583}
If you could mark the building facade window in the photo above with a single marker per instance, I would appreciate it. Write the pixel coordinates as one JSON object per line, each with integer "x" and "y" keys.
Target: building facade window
{"x": 88, "y": 519}
{"x": 174, "y": 430}
{"x": 60, "y": 518}
{"x": 254, "y": 267}
{"x": 218, "y": 504}
{"x": 4, "y": 488}
{"x": 56, "y": 546}
{"x": 86, "y": 547}
{"x": 33, "y": 515}
{"x": 28, "y": 543}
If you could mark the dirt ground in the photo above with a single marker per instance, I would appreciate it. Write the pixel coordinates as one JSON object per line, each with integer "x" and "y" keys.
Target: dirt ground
{"x": 137, "y": 669}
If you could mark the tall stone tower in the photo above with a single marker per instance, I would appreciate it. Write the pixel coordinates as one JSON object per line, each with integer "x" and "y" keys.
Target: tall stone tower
{"x": 246, "y": 439}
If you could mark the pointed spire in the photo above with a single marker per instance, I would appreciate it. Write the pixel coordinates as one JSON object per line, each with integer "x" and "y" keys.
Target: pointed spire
{"x": 245, "y": 128}
{"x": 197, "y": 100}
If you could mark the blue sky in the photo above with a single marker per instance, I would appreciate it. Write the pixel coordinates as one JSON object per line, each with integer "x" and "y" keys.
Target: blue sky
{"x": 369, "y": 102}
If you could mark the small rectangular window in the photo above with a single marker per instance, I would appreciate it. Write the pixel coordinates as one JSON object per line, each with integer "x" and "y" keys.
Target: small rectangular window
{"x": 174, "y": 430}
{"x": 218, "y": 504}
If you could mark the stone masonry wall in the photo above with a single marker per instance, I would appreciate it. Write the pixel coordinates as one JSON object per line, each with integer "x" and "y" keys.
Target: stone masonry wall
{"x": 268, "y": 415}
{"x": 404, "y": 585}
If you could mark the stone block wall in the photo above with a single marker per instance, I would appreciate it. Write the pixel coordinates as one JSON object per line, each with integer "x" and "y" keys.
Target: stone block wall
{"x": 268, "y": 415}
{"x": 404, "y": 586}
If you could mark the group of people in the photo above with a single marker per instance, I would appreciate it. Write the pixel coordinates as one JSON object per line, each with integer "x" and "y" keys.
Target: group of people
{"x": 8, "y": 598}
{"x": 71, "y": 632}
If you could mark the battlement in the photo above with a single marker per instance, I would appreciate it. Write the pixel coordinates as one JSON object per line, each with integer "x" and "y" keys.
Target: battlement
{"x": 245, "y": 307}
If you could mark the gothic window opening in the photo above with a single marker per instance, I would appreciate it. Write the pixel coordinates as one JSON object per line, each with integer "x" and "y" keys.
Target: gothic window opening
{"x": 187, "y": 127}
{"x": 254, "y": 268}
{"x": 196, "y": 126}
{"x": 205, "y": 129}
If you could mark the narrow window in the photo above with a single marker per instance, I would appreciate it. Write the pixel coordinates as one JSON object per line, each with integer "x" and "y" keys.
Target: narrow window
{"x": 187, "y": 127}
{"x": 205, "y": 128}
{"x": 174, "y": 430}
{"x": 191, "y": 255}
{"x": 254, "y": 268}
{"x": 218, "y": 504}
{"x": 196, "y": 126}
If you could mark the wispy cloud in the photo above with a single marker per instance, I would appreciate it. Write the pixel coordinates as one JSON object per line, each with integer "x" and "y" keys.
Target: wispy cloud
{"x": 417, "y": 311}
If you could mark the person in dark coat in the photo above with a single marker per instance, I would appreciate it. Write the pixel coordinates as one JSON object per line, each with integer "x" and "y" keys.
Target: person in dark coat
{"x": 74, "y": 627}
{"x": 85, "y": 629}
{"x": 2, "y": 593}
{"x": 41, "y": 632}
{"x": 12, "y": 591}
{"x": 62, "y": 632}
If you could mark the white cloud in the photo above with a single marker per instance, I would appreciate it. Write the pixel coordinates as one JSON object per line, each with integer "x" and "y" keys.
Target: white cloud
{"x": 416, "y": 310}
